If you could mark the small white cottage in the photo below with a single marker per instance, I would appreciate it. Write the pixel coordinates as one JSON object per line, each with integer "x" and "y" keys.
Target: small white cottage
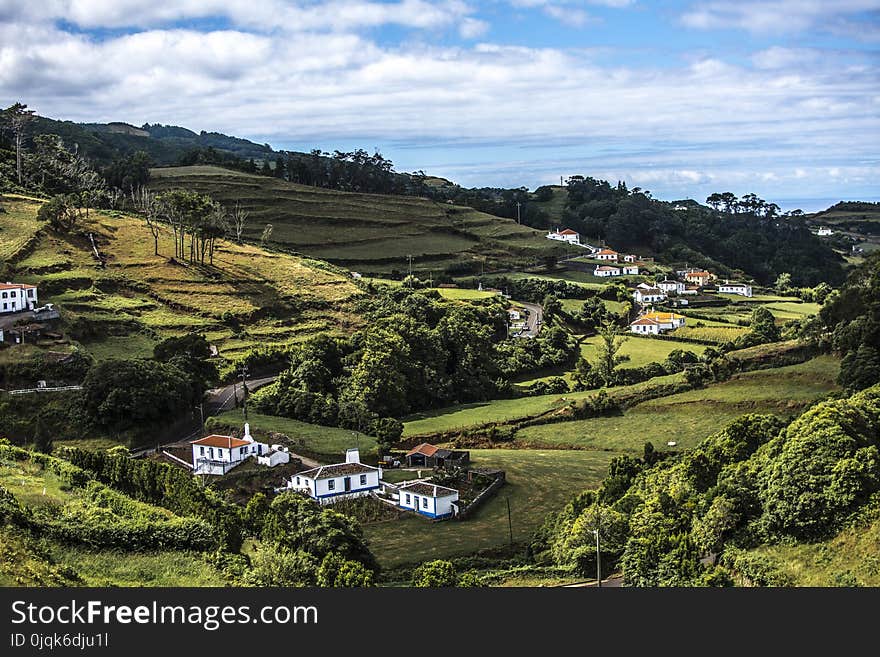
{"x": 566, "y": 235}
{"x": 428, "y": 499}
{"x": 742, "y": 289}
{"x": 649, "y": 295}
{"x": 217, "y": 455}
{"x": 329, "y": 483}
{"x": 669, "y": 286}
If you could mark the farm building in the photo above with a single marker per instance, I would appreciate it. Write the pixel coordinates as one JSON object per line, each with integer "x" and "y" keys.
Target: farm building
{"x": 217, "y": 455}
{"x": 606, "y": 254}
{"x": 566, "y": 235}
{"x": 428, "y": 499}
{"x": 667, "y": 321}
{"x": 649, "y": 295}
{"x": 429, "y": 456}
{"x": 15, "y": 297}
{"x": 329, "y": 483}
{"x": 604, "y": 271}
{"x": 742, "y": 289}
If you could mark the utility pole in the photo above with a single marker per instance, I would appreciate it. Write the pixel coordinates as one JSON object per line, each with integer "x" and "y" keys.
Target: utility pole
{"x": 598, "y": 556}
{"x": 409, "y": 257}
{"x": 517, "y": 212}
{"x": 244, "y": 373}
{"x": 509, "y": 523}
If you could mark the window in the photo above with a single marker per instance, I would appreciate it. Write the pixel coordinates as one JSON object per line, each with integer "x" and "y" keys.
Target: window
{"x": 4, "y": 295}
{"x": 297, "y": 481}
{"x": 242, "y": 451}
{"x": 424, "y": 502}
{"x": 331, "y": 484}
{"x": 407, "y": 498}
{"x": 31, "y": 294}
{"x": 4, "y": 306}
{"x": 201, "y": 450}
{"x": 12, "y": 294}
{"x": 363, "y": 480}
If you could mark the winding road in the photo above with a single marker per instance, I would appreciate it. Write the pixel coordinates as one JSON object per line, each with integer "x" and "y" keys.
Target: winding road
{"x": 534, "y": 320}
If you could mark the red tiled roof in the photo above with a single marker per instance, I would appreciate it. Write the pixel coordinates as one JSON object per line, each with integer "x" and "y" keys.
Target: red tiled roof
{"x": 17, "y": 286}
{"x": 607, "y": 252}
{"x": 425, "y": 449}
{"x": 220, "y": 441}
{"x": 606, "y": 268}
{"x": 644, "y": 321}
{"x": 567, "y": 231}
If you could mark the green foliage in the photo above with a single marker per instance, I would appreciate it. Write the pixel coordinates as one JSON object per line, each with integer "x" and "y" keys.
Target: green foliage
{"x": 435, "y": 574}
{"x": 860, "y": 368}
{"x": 274, "y": 565}
{"x": 337, "y": 572}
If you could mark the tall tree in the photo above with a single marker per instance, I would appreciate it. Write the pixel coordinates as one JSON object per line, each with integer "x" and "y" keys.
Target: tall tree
{"x": 18, "y": 117}
{"x": 238, "y": 217}
{"x": 609, "y": 346}
{"x": 150, "y": 208}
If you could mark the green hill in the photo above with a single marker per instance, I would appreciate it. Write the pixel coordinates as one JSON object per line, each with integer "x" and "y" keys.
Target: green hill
{"x": 369, "y": 233}
{"x": 248, "y": 297}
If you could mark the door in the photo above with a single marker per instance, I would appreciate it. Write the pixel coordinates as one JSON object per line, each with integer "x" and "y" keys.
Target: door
{"x": 347, "y": 483}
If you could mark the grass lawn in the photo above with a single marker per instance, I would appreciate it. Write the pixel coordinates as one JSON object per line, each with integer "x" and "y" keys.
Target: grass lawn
{"x": 464, "y": 294}
{"x": 592, "y": 283}
{"x": 688, "y": 417}
{"x": 327, "y": 443}
{"x": 641, "y": 351}
{"x": 136, "y": 345}
{"x": 501, "y": 410}
{"x": 538, "y": 483}
{"x": 17, "y": 224}
{"x": 720, "y": 333}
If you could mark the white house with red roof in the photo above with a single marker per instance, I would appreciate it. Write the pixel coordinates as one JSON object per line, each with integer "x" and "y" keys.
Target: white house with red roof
{"x": 606, "y": 254}
{"x": 16, "y": 297}
{"x": 565, "y": 235}
{"x": 217, "y": 455}
{"x": 649, "y": 295}
{"x": 330, "y": 483}
{"x": 604, "y": 271}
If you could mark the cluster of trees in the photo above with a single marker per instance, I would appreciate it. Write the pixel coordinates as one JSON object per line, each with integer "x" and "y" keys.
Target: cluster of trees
{"x": 752, "y": 237}
{"x": 418, "y": 352}
{"x": 758, "y": 480}
{"x": 851, "y": 315}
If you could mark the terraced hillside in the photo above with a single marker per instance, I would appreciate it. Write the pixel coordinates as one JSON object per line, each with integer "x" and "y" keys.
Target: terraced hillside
{"x": 249, "y": 296}
{"x": 369, "y": 233}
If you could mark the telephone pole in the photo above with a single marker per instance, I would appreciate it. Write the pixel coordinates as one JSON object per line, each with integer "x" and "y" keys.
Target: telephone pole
{"x": 409, "y": 259}
{"x": 509, "y": 523}
{"x": 244, "y": 373}
{"x": 517, "y": 211}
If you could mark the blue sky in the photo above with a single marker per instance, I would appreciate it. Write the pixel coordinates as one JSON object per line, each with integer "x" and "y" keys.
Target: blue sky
{"x": 779, "y": 97}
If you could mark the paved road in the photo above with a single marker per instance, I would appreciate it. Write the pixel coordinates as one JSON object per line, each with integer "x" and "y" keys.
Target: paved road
{"x": 222, "y": 399}
{"x": 534, "y": 321}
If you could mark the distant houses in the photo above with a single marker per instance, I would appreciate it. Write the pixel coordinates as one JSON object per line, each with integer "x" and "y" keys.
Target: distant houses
{"x": 700, "y": 278}
{"x": 429, "y": 456}
{"x": 606, "y": 271}
{"x": 742, "y": 289}
{"x": 649, "y": 295}
{"x": 16, "y": 297}
{"x": 671, "y": 287}
{"x": 606, "y": 254}
{"x": 330, "y": 483}
{"x": 824, "y": 231}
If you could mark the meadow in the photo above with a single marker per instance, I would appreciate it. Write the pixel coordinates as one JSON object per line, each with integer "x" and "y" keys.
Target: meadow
{"x": 539, "y": 482}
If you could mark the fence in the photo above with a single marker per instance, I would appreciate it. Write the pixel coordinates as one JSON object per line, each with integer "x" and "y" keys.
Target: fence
{"x": 500, "y": 478}
{"x": 27, "y": 391}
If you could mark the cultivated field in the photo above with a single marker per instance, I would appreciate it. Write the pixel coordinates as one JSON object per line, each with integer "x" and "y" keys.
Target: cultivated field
{"x": 370, "y": 233}
{"x": 248, "y": 297}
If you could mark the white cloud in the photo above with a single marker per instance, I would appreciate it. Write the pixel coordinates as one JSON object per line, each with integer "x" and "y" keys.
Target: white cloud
{"x": 471, "y": 28}
{"x": 772, "y": 16}
{"x": 568, "y": 15}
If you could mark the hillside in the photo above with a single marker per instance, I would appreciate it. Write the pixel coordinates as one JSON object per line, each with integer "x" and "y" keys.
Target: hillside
{"x": 249, "y": 297}
{"x": 856, "y": 227}
{"x": 368, "y": 233}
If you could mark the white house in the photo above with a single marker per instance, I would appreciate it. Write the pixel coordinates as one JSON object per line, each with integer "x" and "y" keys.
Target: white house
{"x": 679, "y": 208}
{"x": 669, "y": 286}
{"x": 666, "y": 321}
{"x": 428, "y": 499}
{"x": 514, "y": 315}
{"x": 217, "y": 455}
{"x": 698, "y": 277}
{"x": 277, "y": 455}
{"x": 824, "y": 232}
{"x": 741, "y": 289}
{"x": 330, "y": 483}
{"x": 15, "y": 297}
{"x": 604, "y": 271}
{"x": 630, "y": 258}
{"x": 566, "y": 235}
{"x": 649, "y": 295}
{"x": 627, "y": 270}
{"x": 645, "y": 326}
{"x": 606, "y": 254}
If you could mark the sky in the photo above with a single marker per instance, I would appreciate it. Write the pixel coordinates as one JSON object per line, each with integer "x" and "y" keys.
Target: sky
{"x": 681, "y": 97}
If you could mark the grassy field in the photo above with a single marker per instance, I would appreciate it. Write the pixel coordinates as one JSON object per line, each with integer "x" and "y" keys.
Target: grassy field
{"x": 464, "y": 294}
{"x": 688, "y": 417}
{"x": 641, "y": 351}
{"x": 538, "y": 483}
{"x": 17, "y": 224}
{"x": 852, "y": 558}
{"x": 586, "y": 280}
{"x": 463, "y": 416}
{"x": 141, "y": 298}
{"x": 719, "y": 333}
{"x": 367, "y": 232}
{"x": 328, "y": 443}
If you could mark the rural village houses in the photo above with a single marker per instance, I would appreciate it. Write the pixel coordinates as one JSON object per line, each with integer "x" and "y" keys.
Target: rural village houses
{"x": 15, "y": 297}
{"x": 217, "y": 455}
{"x": 330, "y": 483}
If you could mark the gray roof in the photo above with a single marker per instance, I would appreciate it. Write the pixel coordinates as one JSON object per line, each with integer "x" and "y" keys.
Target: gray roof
{"x": 428, "y": 490}
{"x": 336, "y": 470}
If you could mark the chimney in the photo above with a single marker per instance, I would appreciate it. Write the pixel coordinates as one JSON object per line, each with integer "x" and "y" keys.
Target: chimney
{"x": 352, "y": 455}
{"x": 247, "y": 433}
